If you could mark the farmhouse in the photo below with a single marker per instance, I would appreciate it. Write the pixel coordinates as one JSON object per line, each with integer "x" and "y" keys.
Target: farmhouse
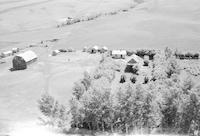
{"x": 21, "y": 61}
{"x": 6, "y": 54}
{"x": 118, "y": 54}
{"x": 131, "y": 61}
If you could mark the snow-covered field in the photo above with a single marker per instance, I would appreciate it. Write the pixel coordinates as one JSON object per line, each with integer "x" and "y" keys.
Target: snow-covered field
{"x": 152, "y": 24}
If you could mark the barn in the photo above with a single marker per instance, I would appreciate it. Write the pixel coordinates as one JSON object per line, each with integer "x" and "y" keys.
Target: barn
{"x": 21, "y": 61}
{"x": 118, "y": 54}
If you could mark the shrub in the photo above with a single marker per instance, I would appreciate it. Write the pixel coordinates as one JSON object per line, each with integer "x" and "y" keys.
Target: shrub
{"x": 146, "y": 80}
{"x": 122, "y": 79}
{"x": 55, "y": 113}
{"x": 133, "y": 79}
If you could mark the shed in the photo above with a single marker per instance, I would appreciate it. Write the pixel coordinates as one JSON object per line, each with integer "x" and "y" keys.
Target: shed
{"x": 6, "y": 54}
{"x": 118, "y": 54}
{"x": 104, "y": 49}
{"x": 15, "y": 50}
{"x": 94, "y": 49}
{"x": 131, "y": 61}
{"x": 55, "y": 52}
{"x": 21, "y": 61}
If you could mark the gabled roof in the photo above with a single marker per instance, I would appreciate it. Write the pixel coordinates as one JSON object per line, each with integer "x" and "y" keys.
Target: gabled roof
{"x": 28, "y": 55}
{"x": 134, "y": 59}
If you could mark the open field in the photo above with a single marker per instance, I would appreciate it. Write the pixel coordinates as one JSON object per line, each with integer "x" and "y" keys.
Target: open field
{"x": 20, "y": 90}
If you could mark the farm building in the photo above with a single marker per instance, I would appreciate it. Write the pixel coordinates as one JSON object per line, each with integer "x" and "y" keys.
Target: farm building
{"x": 118, "y": 54}
{"x": 6, "y": 54}
{"x": 15, "y": 50}
{"x": 103, "y": 49}
{"x": 85, "y": 49}
{"x": 55, "y": 52}
{"x": 131, "y": 61}
{"x": 94, "y": 49}
{"x": 21, "y": 61}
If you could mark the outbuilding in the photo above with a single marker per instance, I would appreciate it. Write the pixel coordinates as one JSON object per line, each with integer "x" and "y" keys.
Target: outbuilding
{"x": 55, "y": 52}
{"x": 6, "y": 54}
{"x": 118, "y": 54}
{"x": 104, "y": 49}
{"x": 15, "y": 50}
{"x": 94, "y": 49}
{"x": 21, "y": 61}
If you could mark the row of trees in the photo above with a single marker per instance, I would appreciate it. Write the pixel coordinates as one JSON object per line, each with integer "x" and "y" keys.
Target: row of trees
{"x": 187, "y": 55}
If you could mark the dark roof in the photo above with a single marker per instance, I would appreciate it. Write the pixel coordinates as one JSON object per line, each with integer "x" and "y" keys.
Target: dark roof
{"x": 132, "y": 61}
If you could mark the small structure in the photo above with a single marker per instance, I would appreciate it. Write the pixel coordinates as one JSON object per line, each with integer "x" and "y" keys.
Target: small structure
{"x": 94, "y": 49}
{"x": 85, "y": 49}
{"x": 118, "y": 54}
{"x": 6, "y": 54}
{"x": 21, "y": 61}
{"x": 103, "y": 49}
{"x": 55, "y": 52}
{"x": 15, "y": 50}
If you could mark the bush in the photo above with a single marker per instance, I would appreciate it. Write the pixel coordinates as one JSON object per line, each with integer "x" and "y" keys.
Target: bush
{"x": 146, "y": 80}
{"x": 55, "y": 113}
{"x": 133, "y": 79}
{"x": 122, "y": 79}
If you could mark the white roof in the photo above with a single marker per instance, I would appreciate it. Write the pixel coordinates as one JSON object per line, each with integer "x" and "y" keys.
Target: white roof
{"x": 28, "y": 55}
{"x": 14, "y": 48}
{"x": 117, "y": 52}
{"x": 136, "y": 58}
{"x": 95, "y": 47}
{"x": 56, "y": 51}
{"x": 7, "y": 52}
{"x": 105, "y": 48}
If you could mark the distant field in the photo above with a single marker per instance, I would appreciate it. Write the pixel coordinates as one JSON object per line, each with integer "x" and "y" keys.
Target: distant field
{"x": 153, "y": 24}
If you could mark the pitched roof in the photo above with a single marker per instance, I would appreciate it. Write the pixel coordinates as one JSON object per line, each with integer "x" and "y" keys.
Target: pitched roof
{"x": 28, "y": 55}
{"x": 105, "y": 48}
{"x": 132, "y": 61}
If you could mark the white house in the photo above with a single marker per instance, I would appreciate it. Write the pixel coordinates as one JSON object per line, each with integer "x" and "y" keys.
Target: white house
{"x": 118, "y": 54}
